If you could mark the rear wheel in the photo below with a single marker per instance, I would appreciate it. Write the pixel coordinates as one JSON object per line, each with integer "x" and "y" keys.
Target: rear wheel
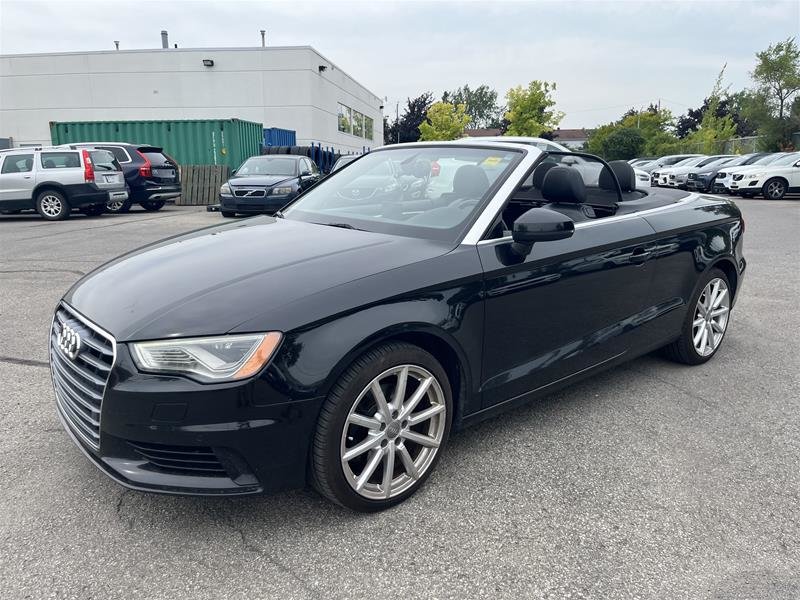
{"x": 382, "y": 429}
{"x": 774, "y": 189}
{"x": 706, "y": 322}
{"x": 228, "y": 214}
{"x": 52, "y": 205}
{"x": 118, "y": 206}
{"x": 152, "y": 205}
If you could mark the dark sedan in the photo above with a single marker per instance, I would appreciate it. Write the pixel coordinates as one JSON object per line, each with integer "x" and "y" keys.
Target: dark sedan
{"x": 357, "y": 332}
{"x": 265, "y": 184}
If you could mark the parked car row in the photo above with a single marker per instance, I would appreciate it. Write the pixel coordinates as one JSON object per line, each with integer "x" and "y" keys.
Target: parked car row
{"x": 91, "y": 177}
{"x": 771, "y": 175}
{"x": 267, "y": 183}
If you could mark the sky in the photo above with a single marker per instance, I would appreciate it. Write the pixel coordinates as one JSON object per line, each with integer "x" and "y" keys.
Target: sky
{"x": 604, "y": 56}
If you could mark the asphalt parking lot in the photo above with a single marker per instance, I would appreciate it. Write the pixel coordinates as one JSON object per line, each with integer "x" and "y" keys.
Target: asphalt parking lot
{"x": 653, "y": 480}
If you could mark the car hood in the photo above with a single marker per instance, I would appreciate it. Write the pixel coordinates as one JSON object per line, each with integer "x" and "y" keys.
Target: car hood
{"x": 209, "y": 281}
{"x": 259, "y": 180}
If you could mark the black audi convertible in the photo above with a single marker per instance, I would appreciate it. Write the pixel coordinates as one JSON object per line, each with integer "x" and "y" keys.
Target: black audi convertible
{"x": 340, "y": 342}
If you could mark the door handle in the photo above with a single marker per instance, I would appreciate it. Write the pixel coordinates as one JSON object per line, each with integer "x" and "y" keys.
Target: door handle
{"x": 27, "y": 176}
{"x": 640, "y": 255}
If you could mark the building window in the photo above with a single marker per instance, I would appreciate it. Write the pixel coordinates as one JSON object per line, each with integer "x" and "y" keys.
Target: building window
{"x": 368, "y": 127}
{"x": 345, "y": 123}
{"x": 358, "y": 124}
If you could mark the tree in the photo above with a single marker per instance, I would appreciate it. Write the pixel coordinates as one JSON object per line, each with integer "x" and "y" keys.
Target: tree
{"x": 714, "y": 129}
{"x": 623, "y": 143}
{"x": 407, "y": 128}
{"x": 444, "y": 122}
{"x": 653, "y": 125}
{"x": 480, "y": 105}
{"x": 730, "y": 105}
{"x": 778, "y": 73}
{"x": 530, "y": 110}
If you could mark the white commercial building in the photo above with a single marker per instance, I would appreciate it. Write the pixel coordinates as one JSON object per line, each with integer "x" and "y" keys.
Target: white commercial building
{"x": 288, "y": 87}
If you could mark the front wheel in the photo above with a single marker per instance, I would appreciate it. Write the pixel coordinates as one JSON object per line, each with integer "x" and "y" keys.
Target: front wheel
{"x": 774, "y": 189}
{"x": 152, "y": 205}
{"x": 706, "y": 322}
{"x": 382, "y": 429}
{"x": 52, "y": 205}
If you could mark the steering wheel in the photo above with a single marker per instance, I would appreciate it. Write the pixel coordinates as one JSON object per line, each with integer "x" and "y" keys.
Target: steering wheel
{"x": 462, "y": 204}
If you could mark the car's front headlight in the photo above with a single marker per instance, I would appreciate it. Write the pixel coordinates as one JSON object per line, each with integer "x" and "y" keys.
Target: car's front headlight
{"x": 225, "y": 190}
{"x": 282, "y": 191}
{"x": 208, "y": 359}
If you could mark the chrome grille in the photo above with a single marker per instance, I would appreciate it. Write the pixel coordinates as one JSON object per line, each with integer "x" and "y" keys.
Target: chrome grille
{"x": 249, "y": 193}
{"x": 80, "y": 382}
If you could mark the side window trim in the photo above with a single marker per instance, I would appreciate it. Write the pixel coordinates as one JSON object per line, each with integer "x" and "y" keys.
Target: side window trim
{"x": 109, "y": 148}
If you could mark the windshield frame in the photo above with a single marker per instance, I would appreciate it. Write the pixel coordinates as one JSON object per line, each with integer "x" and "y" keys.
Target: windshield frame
{"x": 465, "y": 229}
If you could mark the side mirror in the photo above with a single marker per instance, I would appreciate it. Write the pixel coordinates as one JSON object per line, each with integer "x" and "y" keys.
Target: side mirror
{"x": 233, "y": 172}
{"x": 540, "y": 225}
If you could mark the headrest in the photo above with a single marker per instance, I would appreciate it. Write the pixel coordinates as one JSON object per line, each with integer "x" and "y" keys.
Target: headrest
{"x": 470, "y": 181}
{"x": 625, "y": 176}
{"x": 564, "y": 184}
{"x": 540, "y": 171}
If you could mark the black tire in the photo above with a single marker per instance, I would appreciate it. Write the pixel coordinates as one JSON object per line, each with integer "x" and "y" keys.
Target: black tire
{"x": 682, "y": 350}
{"x": 227, "y": 214}
{"x": 116, "y": 208}
{"x": 327, "y": 473}
{"x": 52, "y": 205}
{"x": 152, "y": 205}
{"x": 774, "y": 189}
{"x": 747, "y": 195}
{"x": 94, "y": 211}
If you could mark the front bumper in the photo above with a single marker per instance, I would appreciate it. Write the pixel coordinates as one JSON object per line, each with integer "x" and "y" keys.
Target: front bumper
{"x": 249, "y": 205}
{"x": 700, "y": 184}
{"x": 746, "y": 184}
{"x": 172, "y": 435}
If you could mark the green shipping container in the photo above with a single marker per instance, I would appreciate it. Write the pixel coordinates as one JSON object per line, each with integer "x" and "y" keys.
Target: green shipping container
{"x": 192, "y": 142}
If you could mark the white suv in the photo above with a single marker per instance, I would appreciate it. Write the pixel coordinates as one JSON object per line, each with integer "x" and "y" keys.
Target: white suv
{"x": 53, "y": 181}
{"x": 772, "y": 181}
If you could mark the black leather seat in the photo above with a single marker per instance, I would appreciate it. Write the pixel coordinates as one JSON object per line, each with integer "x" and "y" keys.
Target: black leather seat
{"x": 625, "y": 176}
{"x": 537, "y": 179}
{"x": 469, "y": 182}
{"x": 563, "y": 185}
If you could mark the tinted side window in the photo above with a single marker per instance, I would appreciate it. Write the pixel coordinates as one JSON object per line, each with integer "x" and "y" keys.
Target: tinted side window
{"x": 119, "y": 153}
{"x": 60, "y": 160}
{"x": 21, "y": 163}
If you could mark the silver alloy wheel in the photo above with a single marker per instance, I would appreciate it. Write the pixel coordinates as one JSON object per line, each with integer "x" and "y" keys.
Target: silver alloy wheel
{"x": 393, "y": 432}
{"x": 51, "y": 205}
{"x": 114, "y": 205}
{"x": 711, "y": 317}
{"x": 775, "y": 189}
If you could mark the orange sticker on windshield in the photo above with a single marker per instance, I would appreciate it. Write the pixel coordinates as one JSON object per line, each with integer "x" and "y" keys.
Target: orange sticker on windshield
{"x": 492, "y": 161}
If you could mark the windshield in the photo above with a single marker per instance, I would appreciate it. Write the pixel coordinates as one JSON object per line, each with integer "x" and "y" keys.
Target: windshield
{"x": 103, "y": 160}
{"x": 689, "y": 162}
{"x": 717, "y": 162}
{"x": 739, "y": 160}
{"x": 786, "y": 160}
{"x": 770, "y": 158}
{"x": 268, "y": 165}
{"x": 427, "y": 192}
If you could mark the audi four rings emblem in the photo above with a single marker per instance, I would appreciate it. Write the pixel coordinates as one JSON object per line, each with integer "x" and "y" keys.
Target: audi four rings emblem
{"x": 69, "y": 341}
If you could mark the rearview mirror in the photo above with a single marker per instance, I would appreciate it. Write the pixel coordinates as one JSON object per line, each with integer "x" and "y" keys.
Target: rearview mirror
{"x": 540, "y": 225}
